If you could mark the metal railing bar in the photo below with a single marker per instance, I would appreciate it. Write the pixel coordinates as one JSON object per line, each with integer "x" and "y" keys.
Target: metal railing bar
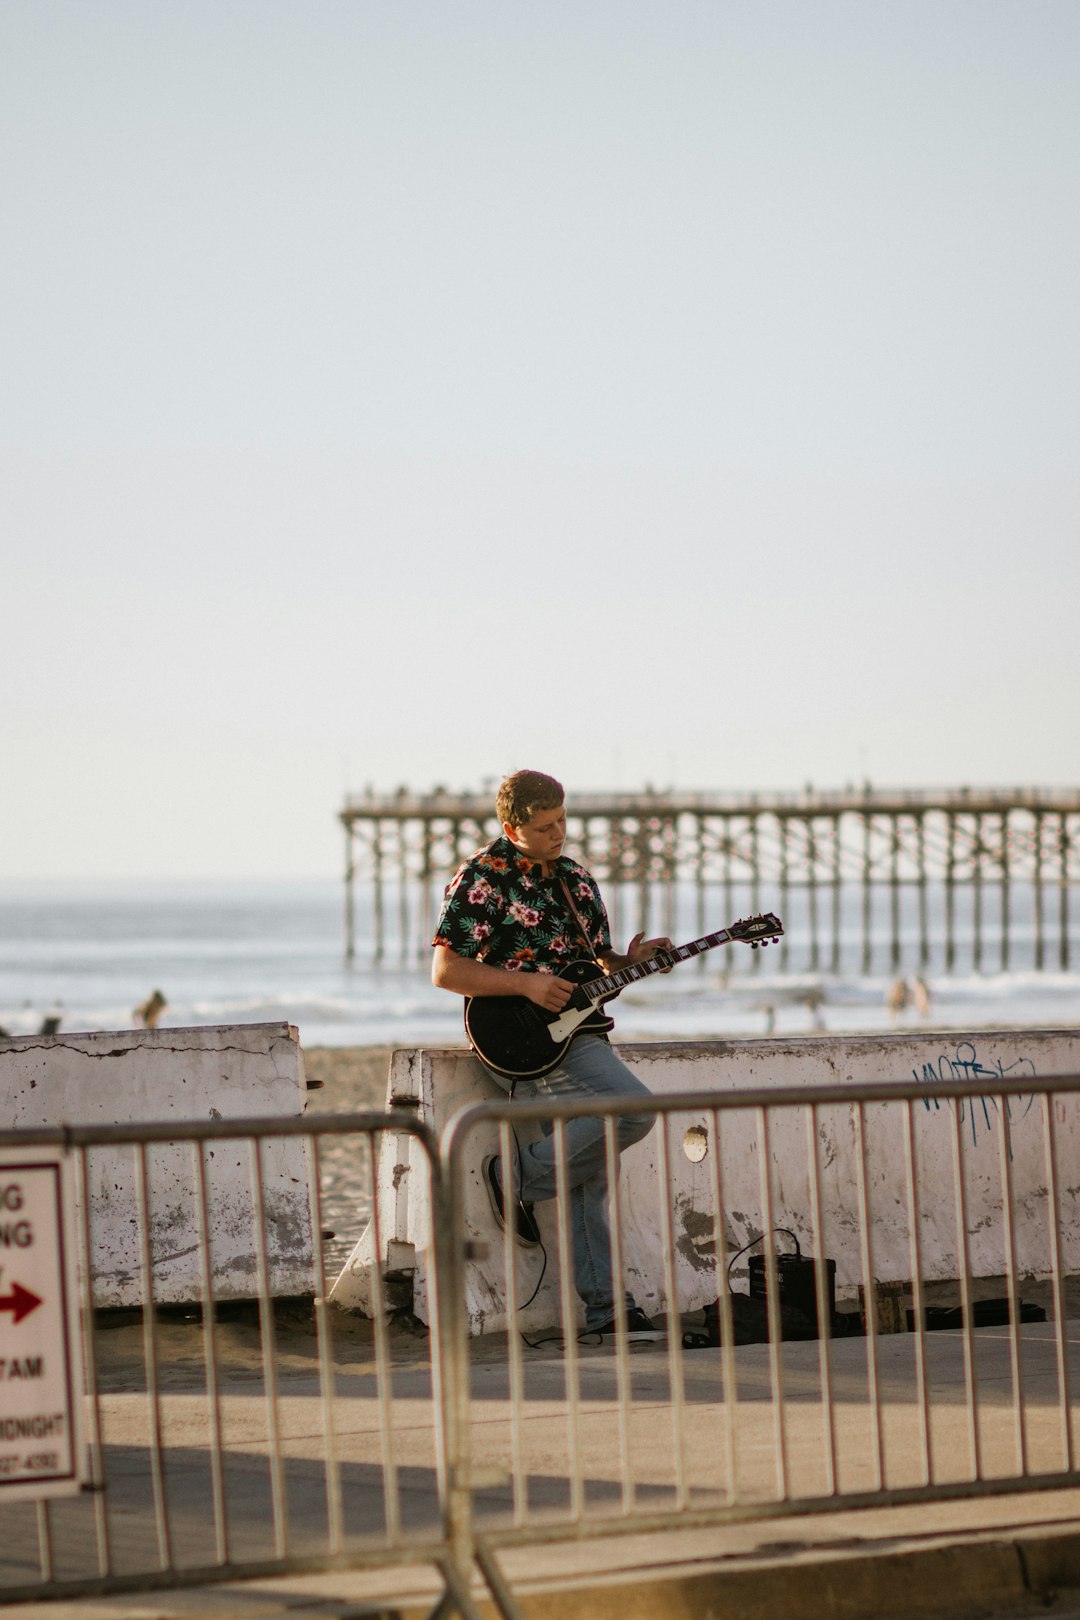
{"x": 725, "y": 1320}
{"x": 569, "y": 1325}
{"x": 450, "y": 1320}
{"x": 1009, "y": 1248}
{"x": 150, "y": 1355}
{"x": 775, "y": 1098}
{"x": 324, "y": 1347}
{"x": 866, "y": 1256}
{"x": 772, "y": 1296}
{"x": 44, "y": 1535}
{"x": 210, "y": 1357}
{"x": 457, "y": 1597}
{"x": 441, "y": 1261}
{"x": 677, "y": 1394}
{"x": 96, "y": 1444}
{"x": 539, "y": 1532}
{"x": 431, "y": 1553}
{"x": 914, "y": 1215}
{"x": 622, "y": 1359}
{"x": 383, "y": 1363}
{"x": 218, "y": 1130}
{"x": 269, "y": 1349}
{"x": 519, "y": 1473}
{"x": 1053, "y": 1210}
{"x": 501, "y": 1595}
{"x": 68, "y": 1136}
{"x": 963, "y": 1268}
{"x": 821, "y": 1294}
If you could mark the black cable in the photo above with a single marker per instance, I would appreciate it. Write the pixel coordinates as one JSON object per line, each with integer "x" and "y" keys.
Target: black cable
{"x": 533, "y": 1344}
{"x": 760, "y": 1239}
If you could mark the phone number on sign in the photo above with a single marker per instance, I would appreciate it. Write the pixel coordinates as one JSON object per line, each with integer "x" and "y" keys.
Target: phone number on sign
{"x": 39, "y": 1462}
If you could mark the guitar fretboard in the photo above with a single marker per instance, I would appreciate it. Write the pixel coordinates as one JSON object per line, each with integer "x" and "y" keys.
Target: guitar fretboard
{"x": 663, "y": 959}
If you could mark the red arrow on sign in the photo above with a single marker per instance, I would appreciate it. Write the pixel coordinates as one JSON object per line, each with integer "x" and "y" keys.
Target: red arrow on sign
{"x": 20, "y": 1302}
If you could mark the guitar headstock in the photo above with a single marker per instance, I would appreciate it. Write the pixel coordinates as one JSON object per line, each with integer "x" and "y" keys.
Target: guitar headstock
{"x": 762, "y": 930}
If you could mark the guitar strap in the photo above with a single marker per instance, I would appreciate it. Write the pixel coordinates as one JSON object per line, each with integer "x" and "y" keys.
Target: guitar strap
{"x": 582, "y": 930}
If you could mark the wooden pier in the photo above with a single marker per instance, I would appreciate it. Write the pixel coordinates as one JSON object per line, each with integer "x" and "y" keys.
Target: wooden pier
{"x": 961, "y": 879}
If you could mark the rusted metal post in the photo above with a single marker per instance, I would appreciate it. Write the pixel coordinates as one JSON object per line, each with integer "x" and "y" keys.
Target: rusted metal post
{"x": 614, "y": 896}
{"x": 950, "y": 892}
{"x": 645, "y": 825}
{"x": 350, "y": 897}
{"x": 867, "y": 875}
{"x": 755, "y": 881}
{"x": 811, "y": 891}
{"x": 894, "y": 891}
{"x": 725, "y": 845}
{"x": 1063, "y": 897}
{"x": 783, "y": 827}
{"x": 1037, "y": 881}
{"x": 425, "y": 887}
{"x": 377, "y": 886}
{"x": 920, "y": 855}
{"x": 1005, "y": 895}
{"x": 837, "y": 890}
{"x": 403, "y": 889}
{"x": 670, "y": 859}
{"x": 977, "y": 894}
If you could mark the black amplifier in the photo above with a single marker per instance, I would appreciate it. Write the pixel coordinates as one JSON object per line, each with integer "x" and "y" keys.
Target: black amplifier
{"x": 796, "y": 1280}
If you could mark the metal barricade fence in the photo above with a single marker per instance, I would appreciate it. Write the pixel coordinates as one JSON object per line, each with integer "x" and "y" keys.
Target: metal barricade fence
{"x": 237, "y": 1425}
{"x": 950, "y": 1208}
{"x": 223, "y": 1446}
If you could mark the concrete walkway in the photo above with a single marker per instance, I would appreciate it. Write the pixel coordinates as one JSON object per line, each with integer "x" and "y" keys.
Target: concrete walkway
{"x": 555, "y": 1458}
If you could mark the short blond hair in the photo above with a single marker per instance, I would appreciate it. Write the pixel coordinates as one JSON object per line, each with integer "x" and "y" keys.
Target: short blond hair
{"x": 523, "y": 794}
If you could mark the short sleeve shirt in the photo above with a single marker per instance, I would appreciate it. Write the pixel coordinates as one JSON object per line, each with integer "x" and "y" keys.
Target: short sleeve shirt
{"x": 500, "y": 909}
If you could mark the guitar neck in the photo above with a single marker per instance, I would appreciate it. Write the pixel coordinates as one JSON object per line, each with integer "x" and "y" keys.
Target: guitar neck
{"x": 656, "y": 964}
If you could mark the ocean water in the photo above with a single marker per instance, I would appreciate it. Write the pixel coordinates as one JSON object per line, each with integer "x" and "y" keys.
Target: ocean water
{"x": 259, "y": 951}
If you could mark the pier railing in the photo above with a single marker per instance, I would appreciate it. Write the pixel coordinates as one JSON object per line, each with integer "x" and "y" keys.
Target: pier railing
{"x": 867, "y": 879}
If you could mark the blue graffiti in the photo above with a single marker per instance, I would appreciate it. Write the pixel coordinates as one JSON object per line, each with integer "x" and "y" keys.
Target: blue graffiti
{"x": 977, "y": 1112}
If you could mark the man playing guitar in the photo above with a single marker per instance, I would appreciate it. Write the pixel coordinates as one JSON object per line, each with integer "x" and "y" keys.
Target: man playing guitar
{"x": 514, "y": 914}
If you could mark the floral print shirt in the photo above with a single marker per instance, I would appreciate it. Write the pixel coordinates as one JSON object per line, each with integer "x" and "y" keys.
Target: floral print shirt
{"x": 501, "y": 910}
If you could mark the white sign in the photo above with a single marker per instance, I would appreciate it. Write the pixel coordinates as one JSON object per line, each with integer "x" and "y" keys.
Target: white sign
{"x": 42, "y": 1450}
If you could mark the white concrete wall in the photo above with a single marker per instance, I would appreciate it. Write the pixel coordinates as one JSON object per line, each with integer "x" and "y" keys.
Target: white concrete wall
{"x": 439, "y": 1082}
{"x": 149, "y": 1076}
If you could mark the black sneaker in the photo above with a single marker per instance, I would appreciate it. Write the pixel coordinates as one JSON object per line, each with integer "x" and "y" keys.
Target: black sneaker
{"x": 526, "y": 1229}
{"x": 639, "y": 1330}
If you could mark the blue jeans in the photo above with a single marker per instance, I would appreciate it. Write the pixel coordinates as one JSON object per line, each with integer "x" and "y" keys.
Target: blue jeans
{"x": 591, "y": 1068}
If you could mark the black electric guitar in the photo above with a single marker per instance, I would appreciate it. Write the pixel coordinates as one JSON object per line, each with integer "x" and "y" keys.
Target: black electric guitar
{"x": 518, "y": 1039}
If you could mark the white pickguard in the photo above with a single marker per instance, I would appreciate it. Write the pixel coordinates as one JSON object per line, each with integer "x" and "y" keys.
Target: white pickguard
{"x": 566, "y": 1023}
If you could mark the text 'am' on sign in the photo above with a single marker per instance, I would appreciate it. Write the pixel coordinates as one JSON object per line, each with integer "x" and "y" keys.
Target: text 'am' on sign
{"x": 42, "y": 1448}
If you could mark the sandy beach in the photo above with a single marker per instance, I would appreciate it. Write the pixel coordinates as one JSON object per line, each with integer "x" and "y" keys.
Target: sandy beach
{"x": 350, "y": 1077}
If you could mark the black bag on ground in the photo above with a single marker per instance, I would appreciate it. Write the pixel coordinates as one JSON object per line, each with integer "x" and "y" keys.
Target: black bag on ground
{"x": 749, "y": 1323}
{"x": 984, "y": 1313}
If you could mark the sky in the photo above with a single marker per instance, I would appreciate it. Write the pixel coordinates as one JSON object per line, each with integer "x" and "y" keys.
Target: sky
{"x": 409, "y": 393}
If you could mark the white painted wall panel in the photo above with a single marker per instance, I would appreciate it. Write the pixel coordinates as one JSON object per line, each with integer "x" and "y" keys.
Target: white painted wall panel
{"x": 149, "y": 1076}
{"x": 439, "y": 1082}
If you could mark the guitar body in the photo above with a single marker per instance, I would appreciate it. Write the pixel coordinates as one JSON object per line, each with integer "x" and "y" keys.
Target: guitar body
{"x": 521, "y": 1041}
{"x": 518, "y": 1039}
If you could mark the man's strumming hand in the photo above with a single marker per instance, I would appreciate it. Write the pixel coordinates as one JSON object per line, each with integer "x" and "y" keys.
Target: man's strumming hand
{"x": 546, "y": 990}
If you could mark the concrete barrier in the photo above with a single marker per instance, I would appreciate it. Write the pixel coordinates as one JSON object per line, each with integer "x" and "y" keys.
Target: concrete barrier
{"x": 437, "y": 1082}
{"x": 146, "y": 1076}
